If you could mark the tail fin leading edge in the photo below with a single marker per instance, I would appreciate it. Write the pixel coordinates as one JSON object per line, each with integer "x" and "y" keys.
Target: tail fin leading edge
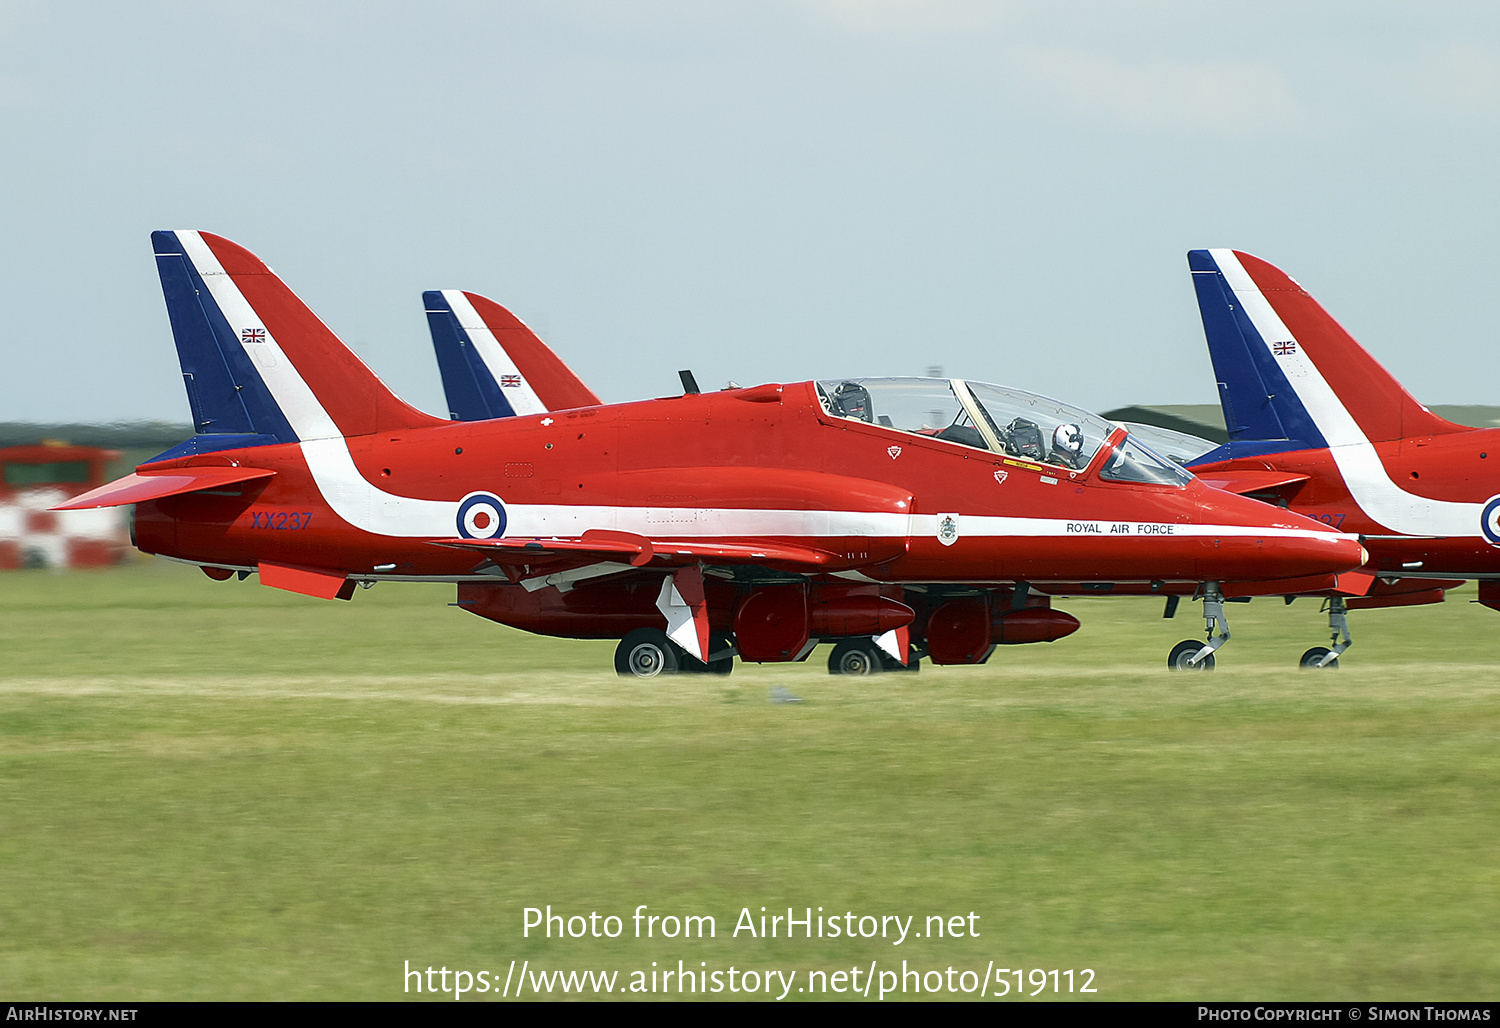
{"x": 1290, "y": 377}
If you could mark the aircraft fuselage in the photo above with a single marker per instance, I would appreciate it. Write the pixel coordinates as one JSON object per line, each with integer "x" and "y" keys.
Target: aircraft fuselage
{"x": 765, "y": 463}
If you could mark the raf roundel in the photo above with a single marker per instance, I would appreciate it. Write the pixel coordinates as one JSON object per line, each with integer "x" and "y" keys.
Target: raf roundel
{"x": 1489, "y": 521}
{"x": 481, "y": 516}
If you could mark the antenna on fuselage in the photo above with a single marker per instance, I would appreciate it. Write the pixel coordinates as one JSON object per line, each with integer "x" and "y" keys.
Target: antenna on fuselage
{"x": 689, "y": 383}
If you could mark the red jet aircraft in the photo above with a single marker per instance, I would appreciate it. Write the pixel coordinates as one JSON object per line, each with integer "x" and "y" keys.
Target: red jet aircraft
{"x": 493, "y": 366}
{"x": 1318, "y": 426}
{"x": 751, "y": 522}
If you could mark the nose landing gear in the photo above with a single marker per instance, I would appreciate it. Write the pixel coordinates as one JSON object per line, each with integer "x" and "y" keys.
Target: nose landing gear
{"x": 1338, "y": 624}
{"x": 1189, "y": 655}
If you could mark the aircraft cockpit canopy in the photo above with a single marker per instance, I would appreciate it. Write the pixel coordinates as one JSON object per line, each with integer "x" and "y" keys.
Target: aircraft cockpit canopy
{"x": 995, "y": 418}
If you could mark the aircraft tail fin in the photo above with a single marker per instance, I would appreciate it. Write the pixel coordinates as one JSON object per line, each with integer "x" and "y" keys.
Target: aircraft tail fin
{"x": 1290, "y": 377}
{"x": 259, "y": 366}
{"x": 493, "y": 366}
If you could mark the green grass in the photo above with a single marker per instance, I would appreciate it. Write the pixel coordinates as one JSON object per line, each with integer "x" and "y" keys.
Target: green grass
{"x": 221, "y": 791}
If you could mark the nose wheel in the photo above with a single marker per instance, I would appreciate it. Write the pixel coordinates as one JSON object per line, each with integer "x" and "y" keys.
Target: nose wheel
{"x": 1319, "y": 657}
{"x": 1182, "y": 657}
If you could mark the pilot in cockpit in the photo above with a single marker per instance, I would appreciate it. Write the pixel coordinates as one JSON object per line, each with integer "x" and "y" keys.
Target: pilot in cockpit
{"x": 851, "y": 400}
{"x": 1067, "y": 445}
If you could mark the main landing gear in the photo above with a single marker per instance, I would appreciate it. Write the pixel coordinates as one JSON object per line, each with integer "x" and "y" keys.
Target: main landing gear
{"x": 1190, "y": 655}
{"x": 855, "y": 657}
{"x": 648, "y": 653}
{"x": 863, "y": 656}
{"x": 1338, "y": 625}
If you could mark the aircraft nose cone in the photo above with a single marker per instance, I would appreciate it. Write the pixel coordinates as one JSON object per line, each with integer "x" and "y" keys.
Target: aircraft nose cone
{"x": 1351, "y": 553}
{"x": 1269, "y": 543}
{"x": 1319, "y": 553}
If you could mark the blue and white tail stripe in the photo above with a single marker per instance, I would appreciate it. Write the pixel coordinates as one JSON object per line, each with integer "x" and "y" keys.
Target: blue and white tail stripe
{"x": 473, "y": 364}
{"x": 1267, "y": 379}
{"x": 1262, "y": 412}
{"x": 295, "y": 401}
{"x": 229, "y": 400}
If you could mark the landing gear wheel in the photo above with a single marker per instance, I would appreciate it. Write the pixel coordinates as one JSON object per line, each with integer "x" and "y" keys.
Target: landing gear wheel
{"x": 856, "y": 657}
{"x": 646, "y": 653}
{"x": 1311, "y": 657}
{"x": 1177, "y": 660}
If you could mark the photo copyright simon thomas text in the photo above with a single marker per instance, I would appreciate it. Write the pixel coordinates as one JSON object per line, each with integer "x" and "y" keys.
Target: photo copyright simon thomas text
{"x": 875, "y": 979}
{"x": 1275, "y": 1012}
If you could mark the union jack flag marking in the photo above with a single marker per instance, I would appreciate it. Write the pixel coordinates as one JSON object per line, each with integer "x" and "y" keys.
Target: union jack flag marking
{"x": 510, "y": 381}
{"x": 1284, "y": 349}
{"x": 253, "y": 335}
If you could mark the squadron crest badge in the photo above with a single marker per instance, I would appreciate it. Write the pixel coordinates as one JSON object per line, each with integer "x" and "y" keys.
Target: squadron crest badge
{"x": 947, "y": 529}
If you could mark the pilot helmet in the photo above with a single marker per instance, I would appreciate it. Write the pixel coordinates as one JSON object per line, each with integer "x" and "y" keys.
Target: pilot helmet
{"x": 1068, "y": 438}
{"x": 852, "y": 400}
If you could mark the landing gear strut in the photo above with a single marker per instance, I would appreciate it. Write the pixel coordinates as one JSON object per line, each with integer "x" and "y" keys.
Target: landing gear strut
{"x": 1195, "y": 656}
{"x": 1338, "y": 625}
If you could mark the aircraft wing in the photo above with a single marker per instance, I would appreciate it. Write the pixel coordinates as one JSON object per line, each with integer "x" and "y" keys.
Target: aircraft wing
{"x": 141, "y": 486}
{"x": 1250, "y": 481}
{"x": 604, "y": 545}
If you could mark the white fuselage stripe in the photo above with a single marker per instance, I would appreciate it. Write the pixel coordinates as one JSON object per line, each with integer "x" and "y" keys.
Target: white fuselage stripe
{"x": 360, "y": 503}
{"x": 1369, "y": 483}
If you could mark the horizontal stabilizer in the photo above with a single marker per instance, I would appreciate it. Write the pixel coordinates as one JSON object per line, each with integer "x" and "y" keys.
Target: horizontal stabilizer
{"x": 141, "y": 486}
{"x": 325, "y": 585}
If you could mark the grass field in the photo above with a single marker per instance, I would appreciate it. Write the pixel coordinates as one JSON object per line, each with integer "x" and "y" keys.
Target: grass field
{"x": 221, "y": 791}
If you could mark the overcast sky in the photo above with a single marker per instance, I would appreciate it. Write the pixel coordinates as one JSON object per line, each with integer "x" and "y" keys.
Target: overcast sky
{"x": 759, "y": 190}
